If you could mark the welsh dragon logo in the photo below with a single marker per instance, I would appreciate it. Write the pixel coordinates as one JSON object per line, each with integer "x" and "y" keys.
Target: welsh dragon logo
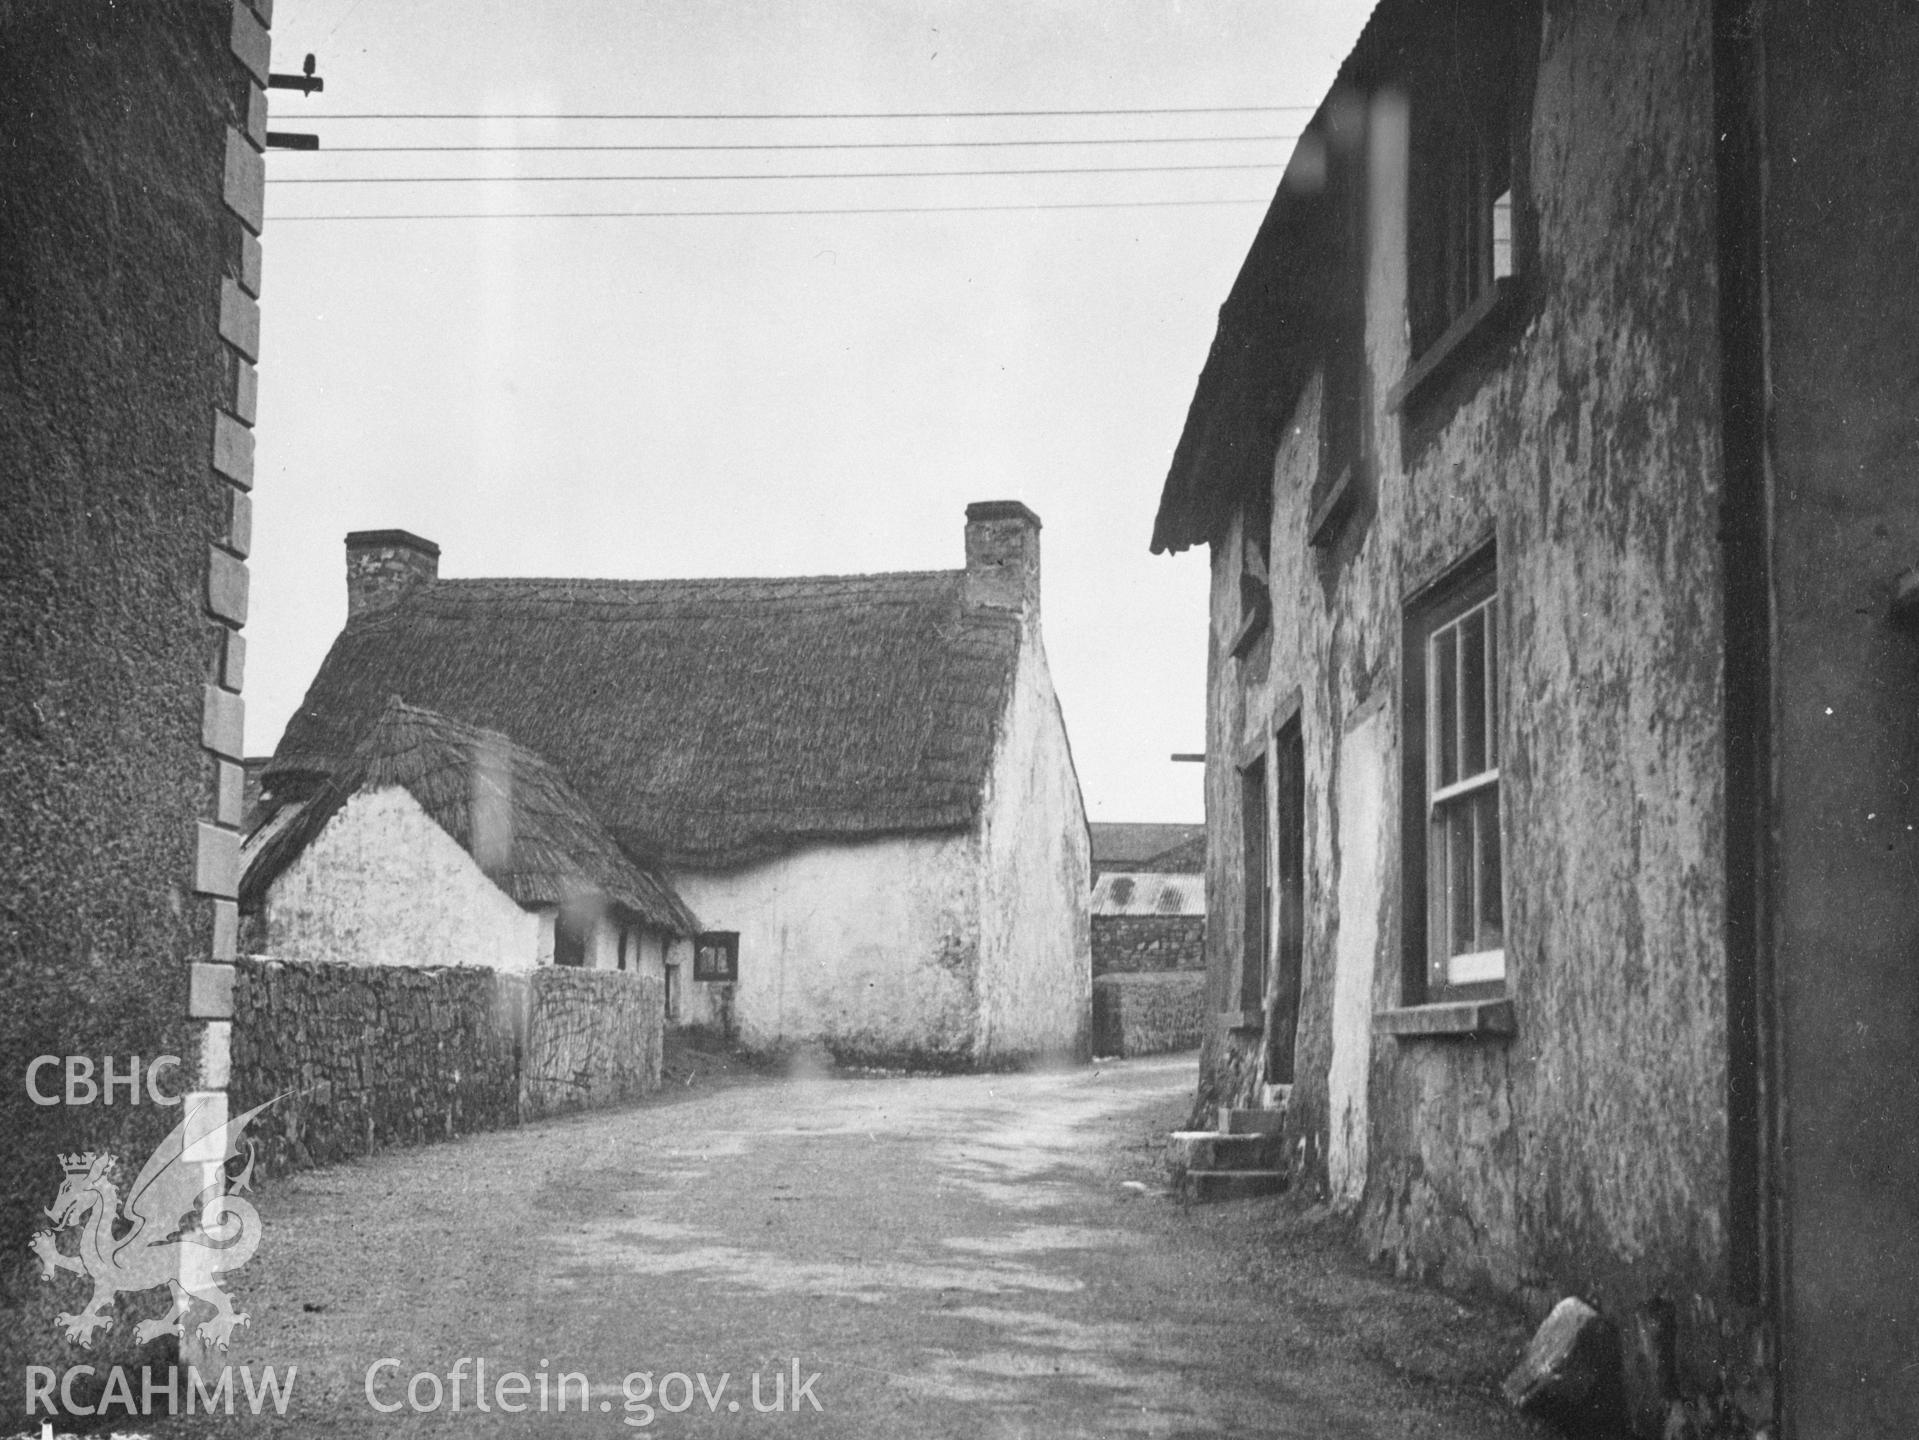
{"x": 151, "y": 1239}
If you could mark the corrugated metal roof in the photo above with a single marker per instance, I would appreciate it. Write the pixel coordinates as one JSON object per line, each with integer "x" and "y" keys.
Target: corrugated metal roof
{"x": 1150, "y": 894}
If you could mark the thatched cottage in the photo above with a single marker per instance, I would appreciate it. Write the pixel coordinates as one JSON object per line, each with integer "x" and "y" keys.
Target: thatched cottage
{"x": 861, "y": 784}
{"x": 443, "y": 843}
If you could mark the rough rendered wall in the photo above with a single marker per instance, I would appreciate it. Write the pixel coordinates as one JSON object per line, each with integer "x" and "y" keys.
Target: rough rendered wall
{"x": 1842, "y": 240}
{"x": 1588, "y": 1152}
{"x": 869, "y": 949}
{"x": 114, "y": 242}
{"x": 1127, "y": 943}
{"x": 363, "y": 1058}
{"x": 1235, "y": 690}
{"x": 1597, "y": 464}
{"x": 383, "y": 884}
{"x": 1035, "y": 877}
{"x": 592, "y": 1038}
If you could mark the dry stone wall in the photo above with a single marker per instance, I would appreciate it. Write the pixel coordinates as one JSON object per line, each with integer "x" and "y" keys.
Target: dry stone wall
{"x": 1148, "y": 1013}
{"x": 359, "y": 1058}
{"x": 1126, "y": 943}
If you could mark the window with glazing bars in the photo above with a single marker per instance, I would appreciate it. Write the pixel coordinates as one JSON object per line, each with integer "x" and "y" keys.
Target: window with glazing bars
{"x": 1465, "y": 911}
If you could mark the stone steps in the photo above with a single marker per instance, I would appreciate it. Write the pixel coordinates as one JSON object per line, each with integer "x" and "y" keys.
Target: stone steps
{"x": 1251, "y": 1122}
{"x": 1242, "y": 1158}
{"x": 1213, "y": 1150}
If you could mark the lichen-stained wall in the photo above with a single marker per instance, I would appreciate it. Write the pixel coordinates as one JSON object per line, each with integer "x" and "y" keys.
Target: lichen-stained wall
{"x": 1587, "y": 1152}
{"x": 1841, "y": 238}
{"x": 869, "y": 948}
{"x": 1249, "y": 695}
{"x": 1035, "y": 882}
{"x": 1591, "y": 452}
{"x": 383, "y": 884}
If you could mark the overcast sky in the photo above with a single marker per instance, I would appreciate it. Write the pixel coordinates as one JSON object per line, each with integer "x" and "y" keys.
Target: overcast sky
{"x": 769, "y": 395}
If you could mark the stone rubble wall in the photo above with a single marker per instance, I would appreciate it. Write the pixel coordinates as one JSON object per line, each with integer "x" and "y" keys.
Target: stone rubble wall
{"x": 361, "y": 1058}
{"x": 1125, "y": 944}
{"x": 1149, "y": 1013}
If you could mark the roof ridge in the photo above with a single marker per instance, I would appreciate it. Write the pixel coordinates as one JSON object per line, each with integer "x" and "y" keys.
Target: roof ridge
{"x": 702, "y": 719}
{"x": 856, "y": 577}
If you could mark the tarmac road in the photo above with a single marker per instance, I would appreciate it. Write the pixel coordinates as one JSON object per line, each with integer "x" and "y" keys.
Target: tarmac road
{"x": 948, "y": 1256}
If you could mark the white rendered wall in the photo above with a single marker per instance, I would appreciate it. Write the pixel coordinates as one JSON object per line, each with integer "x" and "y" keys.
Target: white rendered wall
{"x": 383, "y": 884}
{"x": 695, "y": 1008}
{"x": 603, "y": 944}
{"x": 1363, "y": 822}
{"x": 868, "y": 947}
{"x": 1035, "y": 880}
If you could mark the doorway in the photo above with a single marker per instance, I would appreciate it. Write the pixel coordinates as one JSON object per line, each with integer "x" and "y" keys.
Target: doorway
{"x": 1289, "y": 900}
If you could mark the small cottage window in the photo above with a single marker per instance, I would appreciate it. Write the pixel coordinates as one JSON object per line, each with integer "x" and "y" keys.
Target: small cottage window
{"x": 1464, "y": 244}
{"x": 1255, "y": 562}
{"x": 1469, "y": 120}
{"x": 716, "y": 956}
{"x": 1343, "y": 402}
{"x": 569, "y": 939}
{"x": 1455, "y": 911}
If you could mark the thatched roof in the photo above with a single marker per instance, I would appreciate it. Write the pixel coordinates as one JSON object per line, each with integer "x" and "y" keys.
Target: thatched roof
{"x": 532, "y": 835}
{"x": 707, "y": 722}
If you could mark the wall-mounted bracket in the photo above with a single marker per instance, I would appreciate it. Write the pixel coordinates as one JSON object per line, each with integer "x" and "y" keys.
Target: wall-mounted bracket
{"x": 306, "y": 82}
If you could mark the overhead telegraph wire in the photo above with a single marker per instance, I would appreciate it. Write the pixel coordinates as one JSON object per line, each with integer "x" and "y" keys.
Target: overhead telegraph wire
{"x": 707, "y": 214}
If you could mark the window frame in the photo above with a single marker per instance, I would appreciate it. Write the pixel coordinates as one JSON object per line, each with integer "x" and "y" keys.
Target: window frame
{"x": 572, "y": 941}
{"x": 1470, "y": 123}
{"x": 1428, "y": 976}
{"x": 726, "y": 945}
{"x": 1255, "y": 571}
{"x": 1345, "y": 441}
{"x": 1463, "y": 185}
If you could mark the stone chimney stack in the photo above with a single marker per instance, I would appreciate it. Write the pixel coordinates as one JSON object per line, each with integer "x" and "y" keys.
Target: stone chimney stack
{"x": 1002, "y": 556}
{"x": 382, "y": 565}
